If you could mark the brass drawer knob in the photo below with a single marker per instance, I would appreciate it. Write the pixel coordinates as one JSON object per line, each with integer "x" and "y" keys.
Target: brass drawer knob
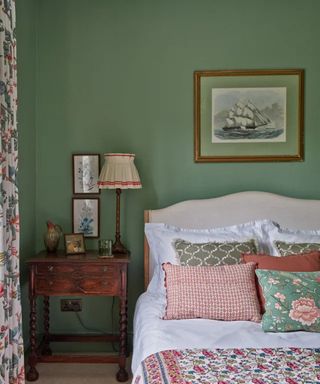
{"x": 105, "y": 269}
{"x": 50, "y": 282}
{"x": 50, "y": 268}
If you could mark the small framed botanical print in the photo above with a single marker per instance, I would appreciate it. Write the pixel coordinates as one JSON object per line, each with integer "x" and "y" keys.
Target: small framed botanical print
{"x": 86, "y": 168}
{"x": 85, "y": 216}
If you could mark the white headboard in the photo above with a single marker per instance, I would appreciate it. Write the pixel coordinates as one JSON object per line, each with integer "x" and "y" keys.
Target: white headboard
{"x": 236, "y": 208}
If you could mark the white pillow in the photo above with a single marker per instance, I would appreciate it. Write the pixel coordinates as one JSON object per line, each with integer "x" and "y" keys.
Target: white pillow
{"x": 162, "y": 236}
{"x": 291, "y": 236}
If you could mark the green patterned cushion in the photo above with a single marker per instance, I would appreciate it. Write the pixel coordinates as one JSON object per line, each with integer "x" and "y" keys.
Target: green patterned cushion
{"x": 286, "y": 249}
{"x": 212, "y": 254}
{"x": 292, "y": 300}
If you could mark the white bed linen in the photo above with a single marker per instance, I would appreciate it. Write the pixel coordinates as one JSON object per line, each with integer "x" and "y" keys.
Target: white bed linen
{"x": 161, "y": 239}
{"x": 152, "y": 334}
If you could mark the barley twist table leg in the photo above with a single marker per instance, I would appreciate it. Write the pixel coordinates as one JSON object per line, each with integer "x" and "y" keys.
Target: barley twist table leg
{"x": 122, "y": 374}
{"x": 33, "y": 374}
{"x": 46, "y": 317}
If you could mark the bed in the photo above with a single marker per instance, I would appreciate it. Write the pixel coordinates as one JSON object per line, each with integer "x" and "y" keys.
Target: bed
{"x": 192, "y": 348}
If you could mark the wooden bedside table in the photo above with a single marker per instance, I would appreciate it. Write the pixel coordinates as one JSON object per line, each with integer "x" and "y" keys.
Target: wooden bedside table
{"x": 76, "y": 275}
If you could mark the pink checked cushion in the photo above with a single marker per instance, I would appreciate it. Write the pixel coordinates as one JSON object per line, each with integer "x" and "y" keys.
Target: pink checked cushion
{"x": 221, "y": 293}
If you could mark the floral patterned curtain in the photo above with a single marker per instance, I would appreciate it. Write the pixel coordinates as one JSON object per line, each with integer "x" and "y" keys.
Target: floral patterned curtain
{"x": 11, "y": 343}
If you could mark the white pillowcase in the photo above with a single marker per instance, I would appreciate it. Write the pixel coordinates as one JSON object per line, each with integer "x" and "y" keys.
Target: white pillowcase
{"x": 291, "y": 236}
{"x": 162, "y": 236}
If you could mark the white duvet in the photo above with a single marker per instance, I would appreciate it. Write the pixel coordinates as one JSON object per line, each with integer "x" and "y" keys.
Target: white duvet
{"x": 152, "y": 334}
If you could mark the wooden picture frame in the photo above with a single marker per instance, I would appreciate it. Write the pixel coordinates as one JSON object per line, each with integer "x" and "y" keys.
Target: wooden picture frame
{"x": 85, "y": 172}
{"x": 248, "y": 115}
{"x": 86, "y": 216}
{"x": 74, "y": 244}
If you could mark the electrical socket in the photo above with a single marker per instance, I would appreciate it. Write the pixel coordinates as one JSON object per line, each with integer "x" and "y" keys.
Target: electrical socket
{"x": 71, "y": 305}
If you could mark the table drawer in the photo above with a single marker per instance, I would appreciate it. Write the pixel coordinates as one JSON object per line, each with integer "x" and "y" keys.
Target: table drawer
{"x": 79, "y": 269}
{"x": 103, "y": 286}
{"x": 45, "y": 268}
{"x": 47, "y": 285}
{"x": 85, "y": 286}
{"x": 93, "y": 269}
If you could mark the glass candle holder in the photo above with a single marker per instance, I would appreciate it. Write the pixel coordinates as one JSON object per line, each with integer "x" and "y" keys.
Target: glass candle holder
{"x": 105, "y": 247}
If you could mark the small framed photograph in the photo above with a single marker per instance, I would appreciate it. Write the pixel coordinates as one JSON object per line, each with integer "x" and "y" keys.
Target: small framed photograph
{"x": 85, "y": 216}
{"x": 74, "y": 243}
{"x": 86, "y": 169}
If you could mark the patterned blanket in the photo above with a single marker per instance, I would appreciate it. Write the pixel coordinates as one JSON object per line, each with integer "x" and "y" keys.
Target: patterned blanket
{"x": 232, "y": 366}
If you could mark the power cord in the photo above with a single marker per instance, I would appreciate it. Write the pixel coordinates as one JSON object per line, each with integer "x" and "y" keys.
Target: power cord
{"x": 97, "y": 330}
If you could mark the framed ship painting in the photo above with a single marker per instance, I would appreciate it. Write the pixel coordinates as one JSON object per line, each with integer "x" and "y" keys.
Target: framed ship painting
{"x": 248, "y": 115}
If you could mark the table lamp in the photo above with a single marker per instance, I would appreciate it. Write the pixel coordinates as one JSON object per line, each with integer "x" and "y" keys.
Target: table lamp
{"x": 119, "y": 172}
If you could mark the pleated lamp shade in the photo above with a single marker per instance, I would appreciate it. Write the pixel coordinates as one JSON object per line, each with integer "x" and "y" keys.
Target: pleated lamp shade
{"x": 119, "y": 171}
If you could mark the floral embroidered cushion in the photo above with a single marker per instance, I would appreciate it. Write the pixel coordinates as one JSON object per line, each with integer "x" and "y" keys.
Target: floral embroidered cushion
{"x": 292, "y": 300}
{"x": 286, "y": 249}
{"x": 220, "y": 293}
{"x": 212, "y": 253}
{"x": 303, "y": 262}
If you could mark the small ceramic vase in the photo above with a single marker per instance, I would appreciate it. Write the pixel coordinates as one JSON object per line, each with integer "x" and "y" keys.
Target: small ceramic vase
{"x": 52, "y": 237}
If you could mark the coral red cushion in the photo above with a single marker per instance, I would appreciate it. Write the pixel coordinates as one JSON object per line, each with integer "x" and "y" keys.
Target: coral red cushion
{"x": 221, "y": 293}
{"x": 302, "y": 262}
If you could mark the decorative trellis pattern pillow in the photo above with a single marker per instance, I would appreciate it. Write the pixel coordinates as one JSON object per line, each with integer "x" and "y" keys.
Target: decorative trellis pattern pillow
{"x": 213, "y": 253}
{"x": 287, "y": 249}
{"x": 292, "y": 300}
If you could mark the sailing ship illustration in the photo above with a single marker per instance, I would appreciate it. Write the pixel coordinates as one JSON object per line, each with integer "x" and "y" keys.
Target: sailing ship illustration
{"x": 246, "y": 116}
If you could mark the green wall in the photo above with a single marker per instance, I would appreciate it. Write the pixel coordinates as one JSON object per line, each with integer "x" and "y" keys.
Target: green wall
{"x": 117, "y": 76}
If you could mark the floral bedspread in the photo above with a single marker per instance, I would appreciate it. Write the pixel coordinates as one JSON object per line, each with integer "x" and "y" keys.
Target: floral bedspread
{"x": 236, "y": 366}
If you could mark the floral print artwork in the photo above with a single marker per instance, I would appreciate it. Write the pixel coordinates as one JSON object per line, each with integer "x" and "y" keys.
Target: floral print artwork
{"x": 292, "y": 300}
{"x": 11, "y": 343}
{"x": 231, "y": 366}
{"x": 86, "y": 173}
{"x": 86, "y": 220}
{"x": 86, "y": 216}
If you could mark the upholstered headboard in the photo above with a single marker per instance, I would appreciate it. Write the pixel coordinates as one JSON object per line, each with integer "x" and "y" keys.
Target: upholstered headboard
{"x": 232, "y": 209}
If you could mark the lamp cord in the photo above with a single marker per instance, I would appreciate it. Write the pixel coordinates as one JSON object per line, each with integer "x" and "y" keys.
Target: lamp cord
{"x": 98, "y": 330}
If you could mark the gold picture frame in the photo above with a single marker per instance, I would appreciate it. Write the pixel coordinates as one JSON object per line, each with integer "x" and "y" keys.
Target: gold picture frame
{"x": 74, "y": 244}
{"x": 248, "y": 115}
